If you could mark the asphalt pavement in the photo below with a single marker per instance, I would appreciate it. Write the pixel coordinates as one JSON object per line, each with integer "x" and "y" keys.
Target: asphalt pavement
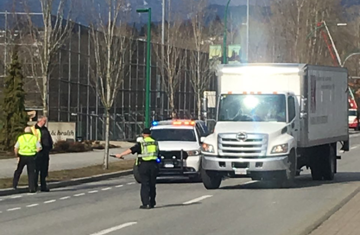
{"x": 241, "y": 206}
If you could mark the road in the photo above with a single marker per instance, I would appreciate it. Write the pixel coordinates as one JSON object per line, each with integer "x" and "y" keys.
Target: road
{"x": 239, "y": 207}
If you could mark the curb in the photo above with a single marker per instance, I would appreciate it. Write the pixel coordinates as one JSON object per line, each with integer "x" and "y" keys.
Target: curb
{"x": 72, "y": 182}
{"x": 308, "y": 230}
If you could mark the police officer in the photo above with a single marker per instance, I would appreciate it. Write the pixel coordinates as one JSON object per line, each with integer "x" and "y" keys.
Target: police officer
{"x": 42, "y": 158}
{"x": 147, "y": 150}
{"x": 25, "y": 149}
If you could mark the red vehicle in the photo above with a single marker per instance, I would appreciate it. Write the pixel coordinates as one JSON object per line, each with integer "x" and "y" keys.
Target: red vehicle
{"x": 353, "y": 119}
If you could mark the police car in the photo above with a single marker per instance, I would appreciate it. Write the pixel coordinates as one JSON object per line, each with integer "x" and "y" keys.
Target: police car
{"x": 179, "y": 147}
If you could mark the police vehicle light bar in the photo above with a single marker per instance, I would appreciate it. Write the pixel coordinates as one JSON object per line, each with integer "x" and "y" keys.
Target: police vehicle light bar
{"x": 175, "y": 123}
{"x": 184, "y": 122}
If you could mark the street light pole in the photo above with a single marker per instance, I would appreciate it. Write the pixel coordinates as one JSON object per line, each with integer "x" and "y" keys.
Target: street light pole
{"x": 225, "y": 34}
{"x": 148, "y": 67}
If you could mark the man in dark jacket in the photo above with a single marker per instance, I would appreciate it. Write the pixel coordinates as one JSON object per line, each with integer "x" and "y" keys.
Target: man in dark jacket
{"x": 42, "y": 158}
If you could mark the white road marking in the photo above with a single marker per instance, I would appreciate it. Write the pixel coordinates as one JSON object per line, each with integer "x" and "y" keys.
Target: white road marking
{"x": 50, "y": 201}
{"x": 197, "y": 199}
{"x": 1, "y": 199}
{"x": 119, "y": 186}
{"x": 64, "y": 198}
{"x": 104, "y": 189}
{"x": 17, "y": 196}
{"x": 354, "y": 147}
{"x": 109, "y": 230}
{"x": 32, "y": 205}
{"x": 14, "y": 209}
{"x": 79, "y": 194}
{"x": 131, "y": 183}
{"x": 94, "y": 191}
{"x": 249, "y": 182}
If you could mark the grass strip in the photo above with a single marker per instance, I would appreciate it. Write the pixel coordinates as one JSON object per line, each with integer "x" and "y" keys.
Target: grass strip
{"x": 65, "y": 175}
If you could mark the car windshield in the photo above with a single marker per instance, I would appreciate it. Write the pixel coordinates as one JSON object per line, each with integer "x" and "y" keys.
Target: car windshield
{"x": 173, "y": 134}
{"x": 252, "y": 108}
{"x": 352, "y": 113}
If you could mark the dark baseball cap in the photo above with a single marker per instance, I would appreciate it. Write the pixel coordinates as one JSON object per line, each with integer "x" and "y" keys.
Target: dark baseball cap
{"x": 146, "y": 131}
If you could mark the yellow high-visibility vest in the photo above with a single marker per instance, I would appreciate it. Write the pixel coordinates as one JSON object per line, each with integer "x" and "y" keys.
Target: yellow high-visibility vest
{"x": 36, "y": 133}
{"x": 149, "y": 149}
{"x": 27, "y": 145}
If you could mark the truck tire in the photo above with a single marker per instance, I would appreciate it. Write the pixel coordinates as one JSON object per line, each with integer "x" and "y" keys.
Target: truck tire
{"x": 211, "y": 179}
{"x": 136, "y": 174}
{"x": 329, "y": 166}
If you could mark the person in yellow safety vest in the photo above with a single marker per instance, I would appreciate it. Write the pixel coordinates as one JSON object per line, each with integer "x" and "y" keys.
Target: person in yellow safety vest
{"x": 25, "y": 149}
{"x": 147, "y": 150}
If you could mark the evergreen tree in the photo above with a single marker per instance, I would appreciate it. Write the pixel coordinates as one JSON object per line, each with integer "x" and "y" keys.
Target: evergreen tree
{"x": 14, "y": 117}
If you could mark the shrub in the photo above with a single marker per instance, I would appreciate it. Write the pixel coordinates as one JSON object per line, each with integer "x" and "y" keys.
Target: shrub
{"x": 61, "y": 147}
{"x": 77, "y": 147}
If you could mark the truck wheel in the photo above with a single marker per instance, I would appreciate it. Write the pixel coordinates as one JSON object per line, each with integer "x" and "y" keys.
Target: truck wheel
{"x": 329, "y": 164}
{"x": 136, "y": 173}
{"x": 211, "y": 179}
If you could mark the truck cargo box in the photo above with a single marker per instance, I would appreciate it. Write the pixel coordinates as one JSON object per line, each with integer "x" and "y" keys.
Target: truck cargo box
{"x": 322, "y": 93}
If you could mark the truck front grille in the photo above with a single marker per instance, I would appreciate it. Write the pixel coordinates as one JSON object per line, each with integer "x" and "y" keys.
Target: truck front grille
{"x": 253, "y": 146}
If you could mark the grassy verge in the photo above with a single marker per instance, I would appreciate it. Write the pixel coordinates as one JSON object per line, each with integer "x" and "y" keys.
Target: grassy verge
{"x": 64, "y": 175}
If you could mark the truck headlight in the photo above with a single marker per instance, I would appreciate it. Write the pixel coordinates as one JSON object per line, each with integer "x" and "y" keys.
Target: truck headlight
{"x": 193, "y": 152}
{"x": 282, "y": 148}
{"x": 207, "y": 148}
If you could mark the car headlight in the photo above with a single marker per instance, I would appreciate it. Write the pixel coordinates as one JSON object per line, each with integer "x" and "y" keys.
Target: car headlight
{"x": 282, "y": 148}
{"x": 193, "y": 152}
{"x": 208, "y": 148}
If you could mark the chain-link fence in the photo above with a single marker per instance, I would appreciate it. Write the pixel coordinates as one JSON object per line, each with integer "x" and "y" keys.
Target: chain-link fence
{"x": 72, "y": 97}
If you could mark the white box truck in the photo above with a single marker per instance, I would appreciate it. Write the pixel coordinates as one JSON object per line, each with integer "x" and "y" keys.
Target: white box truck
{"x": 274, "y": 119}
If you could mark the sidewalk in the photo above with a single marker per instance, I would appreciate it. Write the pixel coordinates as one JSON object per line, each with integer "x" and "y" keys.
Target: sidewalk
{"x": 344, "y": 222}
{"x": 65, "y": 161}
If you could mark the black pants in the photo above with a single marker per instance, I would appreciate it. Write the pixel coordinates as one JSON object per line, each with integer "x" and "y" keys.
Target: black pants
{"x": 42, "y": 166}
{"x": 29, "y": 161}
{"x": 148, "y": 172}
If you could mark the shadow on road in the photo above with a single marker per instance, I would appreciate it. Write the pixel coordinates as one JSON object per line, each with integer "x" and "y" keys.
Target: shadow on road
{"x": 176, "y": 205}
{"x": 304, "y": 181}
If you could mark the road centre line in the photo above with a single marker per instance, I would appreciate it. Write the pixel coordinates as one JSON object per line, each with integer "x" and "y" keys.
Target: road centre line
{"x": 14, "y": 209}
{"x": 32, "y": 205}
{"x": 112, "y": 229}
{"x": 197, "y": 199}
{"x": 50, "y": 201}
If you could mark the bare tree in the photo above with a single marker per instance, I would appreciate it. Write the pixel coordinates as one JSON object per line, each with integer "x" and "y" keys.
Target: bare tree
{"x": 48, "y": 39}
{"x": 111, "y": 48}
{"x": 199, "y": 60}
{"x": 173, "y": 59}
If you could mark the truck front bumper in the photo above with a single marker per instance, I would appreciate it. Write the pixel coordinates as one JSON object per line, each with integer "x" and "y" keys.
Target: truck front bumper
{"x": 245, "y": 166}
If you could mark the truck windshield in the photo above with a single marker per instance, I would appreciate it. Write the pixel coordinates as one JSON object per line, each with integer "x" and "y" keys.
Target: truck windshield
{"x": 173, "y": 134}
{"x": 252, "y": 108}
